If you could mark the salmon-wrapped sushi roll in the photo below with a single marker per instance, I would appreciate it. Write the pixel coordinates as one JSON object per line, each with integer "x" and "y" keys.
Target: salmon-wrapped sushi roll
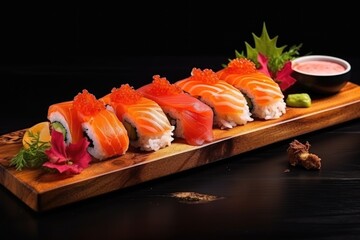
{"x": 148, "y": 127}
{"x": 228, "y": 103}
{"x": 264, "y": 94}
{"x": 107, "y": 135}
{"x": 193, "y": 119}
{"x": 63, "y": 118}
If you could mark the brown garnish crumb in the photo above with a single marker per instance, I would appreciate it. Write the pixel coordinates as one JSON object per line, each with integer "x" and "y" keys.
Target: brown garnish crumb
{"x": 299, "y": 154}
{"x": 193, "y": 197}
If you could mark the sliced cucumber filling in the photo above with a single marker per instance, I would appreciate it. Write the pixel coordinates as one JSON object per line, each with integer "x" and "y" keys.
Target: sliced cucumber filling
{"x": 57, "y": 126}
{"x": 131, "y": 130}
{"x": 249, "y": 102}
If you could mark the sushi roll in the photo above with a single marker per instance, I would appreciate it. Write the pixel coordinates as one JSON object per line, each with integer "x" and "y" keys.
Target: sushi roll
{"x": 107, "y": 135}
{"x": 193, "y": 119}
{"x": 228, "y": 103}
{"x": 63, "y": 118}
{"x": 265, "y": 97}
{"x": 146, "y": 123}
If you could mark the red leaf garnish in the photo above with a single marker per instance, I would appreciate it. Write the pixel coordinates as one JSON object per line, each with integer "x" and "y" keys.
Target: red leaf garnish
{"x": 263, "y": 61}
{"x": 284, "y": 76}
{"x": 71, "y": 159}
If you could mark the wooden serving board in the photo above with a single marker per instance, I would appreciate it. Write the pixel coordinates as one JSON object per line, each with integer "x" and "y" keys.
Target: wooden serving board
{"x": 43, "y": 191}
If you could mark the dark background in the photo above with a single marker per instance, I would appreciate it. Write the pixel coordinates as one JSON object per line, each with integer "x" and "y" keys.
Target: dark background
{"x": 62, "y": 34}
{"x": 51, "y": 52}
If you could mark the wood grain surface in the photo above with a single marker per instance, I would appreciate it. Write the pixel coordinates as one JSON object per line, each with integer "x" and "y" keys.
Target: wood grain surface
{"x": 43, "y": 191}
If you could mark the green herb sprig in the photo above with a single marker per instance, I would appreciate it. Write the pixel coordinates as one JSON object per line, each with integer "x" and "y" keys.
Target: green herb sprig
{"x": 277, "y": 56}
{"x": 33, "y": 156}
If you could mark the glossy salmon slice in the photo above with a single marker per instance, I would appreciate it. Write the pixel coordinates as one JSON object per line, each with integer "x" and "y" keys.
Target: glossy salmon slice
{"x": 105, "y": 131}
{"x": 149, "y": 126}
{"x": 228, "y": 103}
{"x": 65, "y": 114}
{"x": 265, "y": 95}
{"x": 193, "y": 120}
{"x": 264, "y": 89}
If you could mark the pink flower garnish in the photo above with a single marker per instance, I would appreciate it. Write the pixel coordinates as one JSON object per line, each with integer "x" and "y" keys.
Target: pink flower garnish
{"x": 263, "y": 61}
{"x": 71, "y": 159}
{"x": 282, "y": 77}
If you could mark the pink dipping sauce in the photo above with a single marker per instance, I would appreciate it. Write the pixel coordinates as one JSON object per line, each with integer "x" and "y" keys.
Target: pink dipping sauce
{"x": 319, "y": 67}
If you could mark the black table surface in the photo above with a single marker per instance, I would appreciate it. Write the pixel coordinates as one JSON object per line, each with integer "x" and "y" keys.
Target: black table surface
{"x": 259, "y": 197}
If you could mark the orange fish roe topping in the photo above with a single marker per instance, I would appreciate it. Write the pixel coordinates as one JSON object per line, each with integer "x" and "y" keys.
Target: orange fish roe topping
{"x": 161, "y": 86}
{"x": 87, "y": 104}
{"x": 207, "y": 75}
{"x": 125, "y": 94}
{"x": 240, "y": 66}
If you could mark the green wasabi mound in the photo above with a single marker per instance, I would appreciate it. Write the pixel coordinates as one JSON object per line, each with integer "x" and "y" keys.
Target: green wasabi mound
{"x": 301, "y": 100}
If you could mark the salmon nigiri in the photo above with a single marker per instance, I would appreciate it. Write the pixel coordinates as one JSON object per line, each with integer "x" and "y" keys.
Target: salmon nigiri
{"x": 264, "y": 94}
{"x": 62, "y": 116}
{"x": 193, "y": 120}
{"x": 148, "y": 127}
{"x": 106, "y": 133}
{"x": 228, "y": 103}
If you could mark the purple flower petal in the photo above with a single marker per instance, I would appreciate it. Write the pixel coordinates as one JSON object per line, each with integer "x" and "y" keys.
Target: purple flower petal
{"x": 263, "y": 61}
{"x": 284, "y": 77}
{"x": 71, "y": 159}
{"x": 57, "y": 152}
{"x": 78, "y": 153}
